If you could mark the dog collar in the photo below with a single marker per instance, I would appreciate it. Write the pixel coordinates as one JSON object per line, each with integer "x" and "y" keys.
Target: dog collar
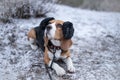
{"x": 51, "y": 47}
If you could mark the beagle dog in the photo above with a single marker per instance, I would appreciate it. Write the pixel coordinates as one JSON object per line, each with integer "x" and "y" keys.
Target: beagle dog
{"x": 54, "y": 38}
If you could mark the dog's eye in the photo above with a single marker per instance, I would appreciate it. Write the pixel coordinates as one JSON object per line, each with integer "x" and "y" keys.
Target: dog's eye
{"x": 59, "y": 25}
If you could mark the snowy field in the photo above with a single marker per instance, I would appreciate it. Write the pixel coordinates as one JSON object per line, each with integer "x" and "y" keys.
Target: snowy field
{"x": 95, "y": 51}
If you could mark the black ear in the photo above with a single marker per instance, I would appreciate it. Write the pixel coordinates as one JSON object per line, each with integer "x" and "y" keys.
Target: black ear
{"x": 68, "y": 30}
{"x": 40, "y": 32}
{"x": 45, "y": 22}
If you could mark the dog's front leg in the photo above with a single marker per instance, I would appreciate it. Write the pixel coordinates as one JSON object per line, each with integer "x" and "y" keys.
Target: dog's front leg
{"x": 69, "y": 63}
{"x": 59, "y": 70}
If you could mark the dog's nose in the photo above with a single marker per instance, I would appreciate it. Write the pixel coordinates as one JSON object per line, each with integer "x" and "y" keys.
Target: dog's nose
{"x": 49, "y": 27}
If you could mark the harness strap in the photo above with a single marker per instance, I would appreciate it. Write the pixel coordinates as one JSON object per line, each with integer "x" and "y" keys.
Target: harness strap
{"x": 53, "y": 60}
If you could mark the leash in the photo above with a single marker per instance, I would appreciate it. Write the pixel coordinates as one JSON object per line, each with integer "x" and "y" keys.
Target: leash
{"x": 46, "y": 66}
{"x": 53, "y": 60}
{"x": 47, "y": 70}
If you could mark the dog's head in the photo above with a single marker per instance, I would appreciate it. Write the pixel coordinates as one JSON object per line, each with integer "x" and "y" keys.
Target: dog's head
{"x": 54, "y": 30}
{"x": 59, "y": 30}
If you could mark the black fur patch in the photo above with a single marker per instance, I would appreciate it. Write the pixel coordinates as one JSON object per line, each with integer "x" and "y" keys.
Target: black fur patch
{"x": 68, "y": 30}
{"x": 45, "y": 22}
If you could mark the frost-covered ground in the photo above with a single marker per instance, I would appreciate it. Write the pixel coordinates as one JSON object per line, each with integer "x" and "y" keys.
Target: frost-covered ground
{"x": 95, "y": 51}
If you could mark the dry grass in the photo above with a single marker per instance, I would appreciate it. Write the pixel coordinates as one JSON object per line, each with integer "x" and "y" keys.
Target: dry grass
{"x": 24, "y": 8}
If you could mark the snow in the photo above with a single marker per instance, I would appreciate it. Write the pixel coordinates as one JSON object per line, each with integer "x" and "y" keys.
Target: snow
{"x": 95, "y": 51}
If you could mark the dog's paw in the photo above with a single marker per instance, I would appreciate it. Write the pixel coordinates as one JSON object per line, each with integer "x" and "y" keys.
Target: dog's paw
{"x": 60, "y": 71}
{"x": 71, "y": 69}
{"x": 34, "y": 47}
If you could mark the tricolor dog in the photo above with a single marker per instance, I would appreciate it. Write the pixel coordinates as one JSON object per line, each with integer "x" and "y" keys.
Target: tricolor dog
{"x": 54, "y": 38}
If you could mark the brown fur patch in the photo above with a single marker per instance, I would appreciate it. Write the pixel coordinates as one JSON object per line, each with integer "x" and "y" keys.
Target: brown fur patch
{"x": 32, "y": 34}
{"x": 46, "y": 41}
{"x": 66, "y": 53}
{"x": 65, "y": 44}
{"x": 46, "y": 57}
{"x": 58, "y": 32}
{"x": 57, "y": 21}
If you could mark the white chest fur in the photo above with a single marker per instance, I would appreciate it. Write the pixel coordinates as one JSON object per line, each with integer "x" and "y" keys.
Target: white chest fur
{"x": 55, "y": 42}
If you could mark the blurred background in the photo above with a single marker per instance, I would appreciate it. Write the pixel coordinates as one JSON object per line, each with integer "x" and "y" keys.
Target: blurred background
{"x": 39, "y": 8}
{"x": 99, "y": 5}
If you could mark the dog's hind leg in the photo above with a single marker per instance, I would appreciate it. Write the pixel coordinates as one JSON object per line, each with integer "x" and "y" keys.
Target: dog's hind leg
{"x": 33, "y": 44}
{"x": 32, "y": 39}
